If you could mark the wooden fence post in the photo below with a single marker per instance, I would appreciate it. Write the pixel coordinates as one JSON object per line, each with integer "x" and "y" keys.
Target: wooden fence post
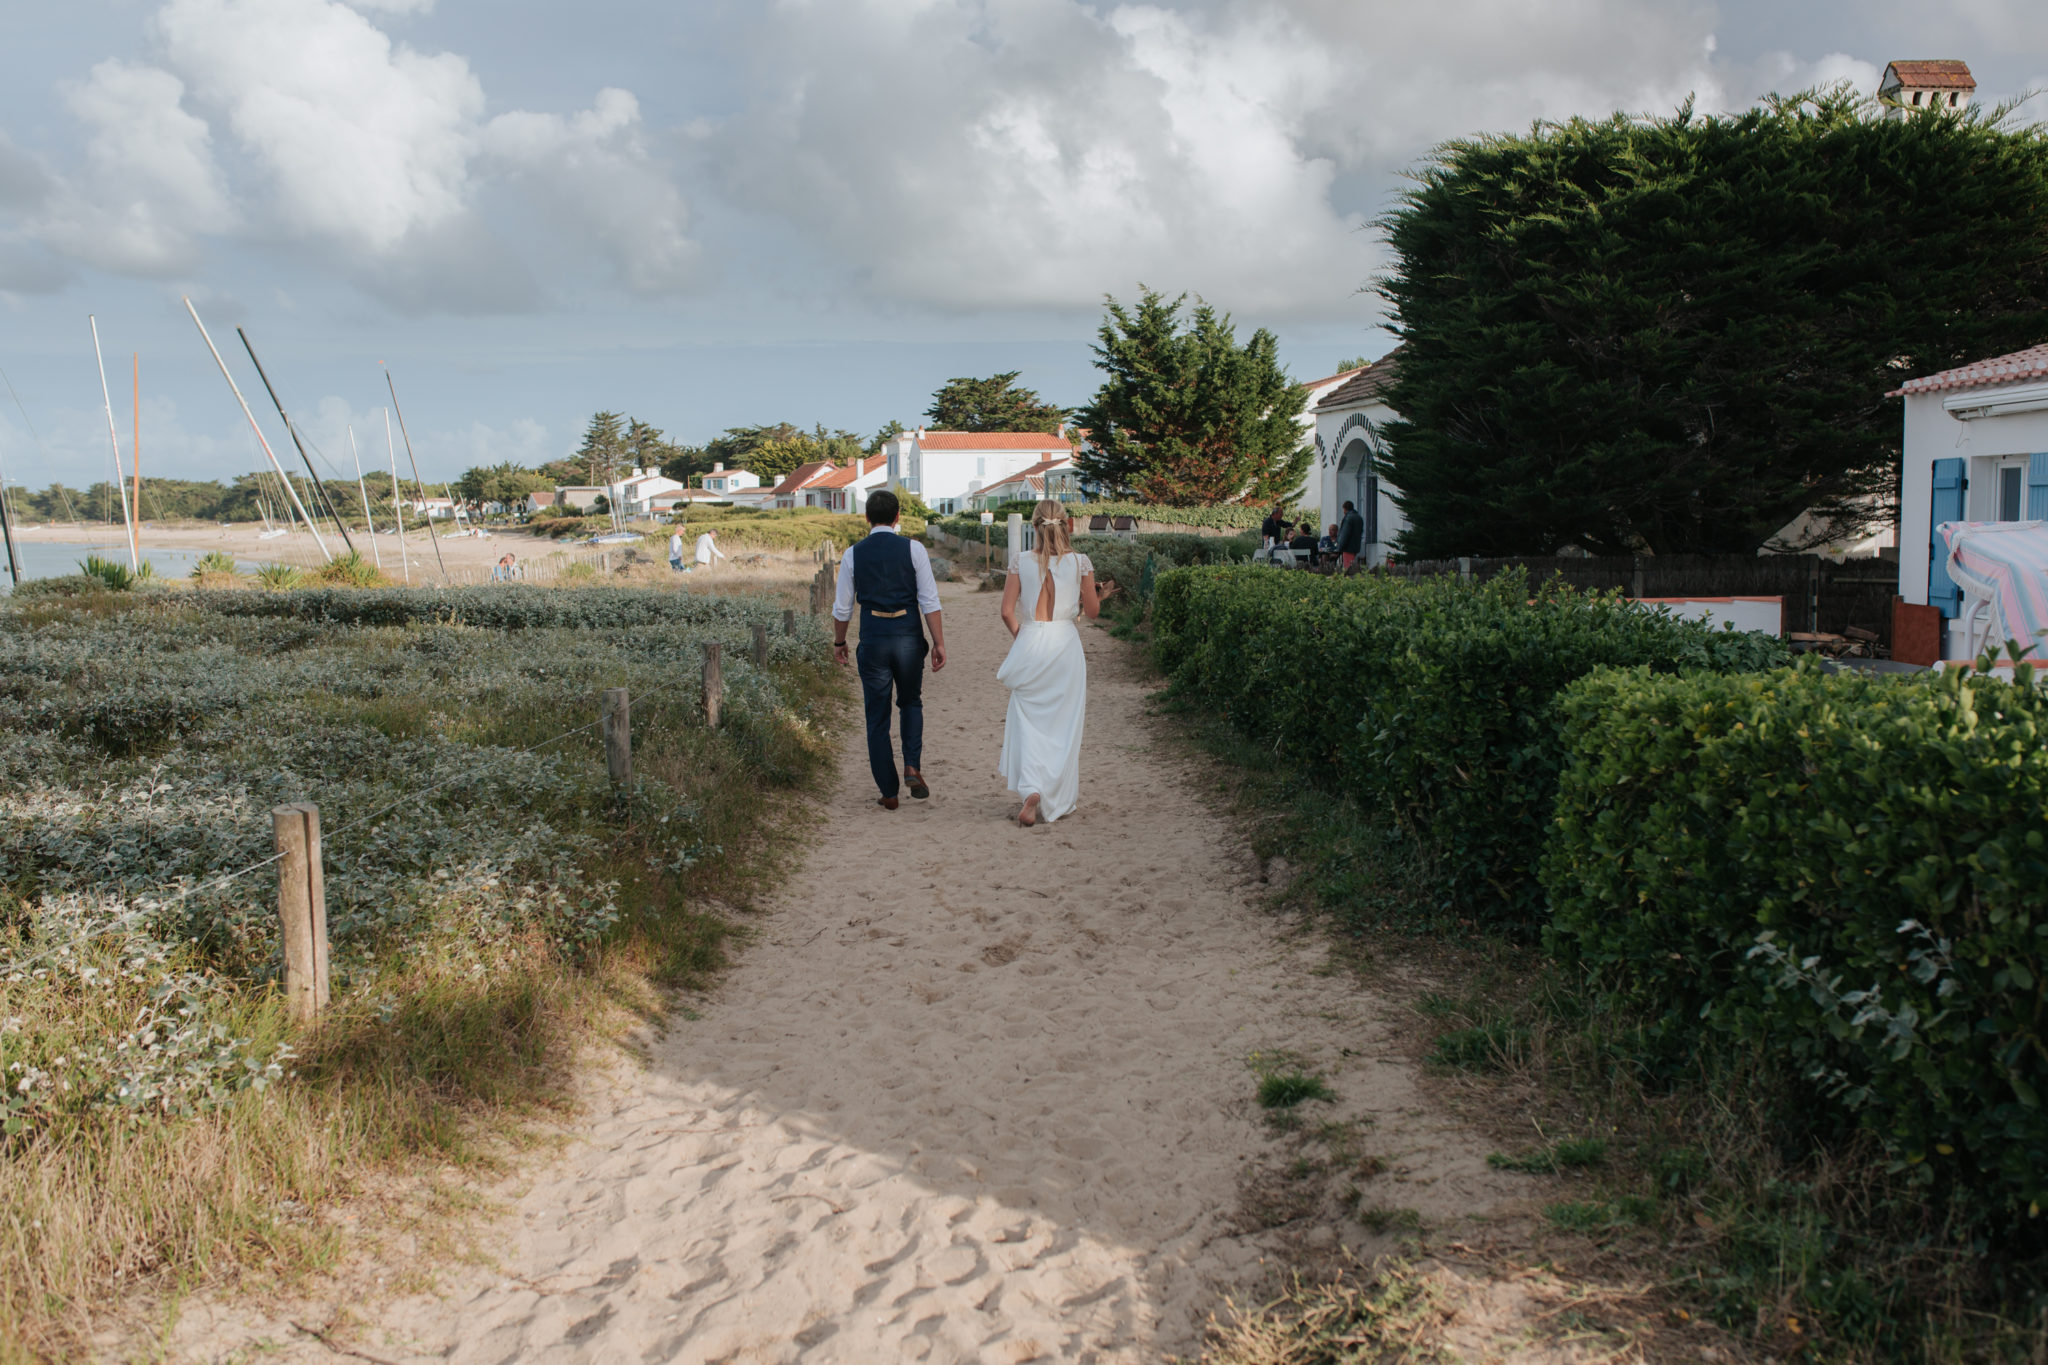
{"x": 618, "y": 736}
{"x": 302, "y": 909}
{"x": 714, "y": 681}
{"x": 789, "y": 622}
{"x": 760, "y": 644}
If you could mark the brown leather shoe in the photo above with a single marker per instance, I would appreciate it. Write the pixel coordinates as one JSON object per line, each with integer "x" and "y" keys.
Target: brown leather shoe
{"x": 917, "y": 787}
{"x": 886, "y": 802}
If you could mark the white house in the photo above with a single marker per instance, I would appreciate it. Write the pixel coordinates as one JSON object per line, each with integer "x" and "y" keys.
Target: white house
{"x": 1055, "y": 478}
{"x": 1976, "y": 449}
{"x": 633, "y": 495}
{"x": 578, "y": 497}
{"x": 540, "y": 498}
{"x": 724, "y": 482}
{"x": 830, "y": 487}
{"x": 1347, "y": 421}
{"x": 432, "y": 508}
{"x": 1909, "y": 86}
{"x": 947, "y": 468}
{"x": 1311, "y": 494}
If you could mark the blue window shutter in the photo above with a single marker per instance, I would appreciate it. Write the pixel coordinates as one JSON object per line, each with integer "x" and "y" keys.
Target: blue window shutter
{"x": 1949, "y": 485}
{"x": 2037, "y": 487}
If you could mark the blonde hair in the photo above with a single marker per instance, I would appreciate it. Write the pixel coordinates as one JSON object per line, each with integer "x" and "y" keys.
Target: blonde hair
{"x": 1050, "y": 520}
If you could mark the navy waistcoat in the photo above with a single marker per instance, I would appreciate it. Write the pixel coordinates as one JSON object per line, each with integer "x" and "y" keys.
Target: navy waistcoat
{"x": 884, "y": 579}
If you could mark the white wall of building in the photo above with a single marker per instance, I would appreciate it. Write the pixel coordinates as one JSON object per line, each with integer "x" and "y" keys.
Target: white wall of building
{"x": 1344, "y": 439}
{"x": 1985, "y": 444}
{"x": 946, "y": 478}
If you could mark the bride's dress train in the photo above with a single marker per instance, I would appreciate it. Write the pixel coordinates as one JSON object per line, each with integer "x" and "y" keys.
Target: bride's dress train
{"x": 1047, "y": 675}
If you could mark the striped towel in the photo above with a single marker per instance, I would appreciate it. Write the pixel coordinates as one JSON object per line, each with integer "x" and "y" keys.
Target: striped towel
{"x": 2011, "y": 559}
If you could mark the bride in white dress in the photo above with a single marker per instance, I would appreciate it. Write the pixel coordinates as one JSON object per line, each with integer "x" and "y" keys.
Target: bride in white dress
{"x": 1045, "y": 670}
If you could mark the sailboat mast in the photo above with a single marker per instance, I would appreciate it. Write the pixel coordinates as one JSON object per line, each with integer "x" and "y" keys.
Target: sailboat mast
{"x": 431, "y": 533}
{"x": 397, "y": 507}
{"x": 135, "y": 464}
{"x": 290, "y": 492}
{"x": 361, "y": 488}
{"x": 319, "y": 488}
{"x": 114, "y": 439}
{"x": 7, "y": 532}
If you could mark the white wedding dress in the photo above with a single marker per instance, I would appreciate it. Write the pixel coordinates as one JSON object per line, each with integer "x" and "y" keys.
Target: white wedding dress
{"x": 1047, "y": 675}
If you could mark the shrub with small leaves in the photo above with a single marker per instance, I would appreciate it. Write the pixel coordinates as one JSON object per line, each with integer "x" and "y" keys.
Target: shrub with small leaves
{"x": 1846, "y": 872}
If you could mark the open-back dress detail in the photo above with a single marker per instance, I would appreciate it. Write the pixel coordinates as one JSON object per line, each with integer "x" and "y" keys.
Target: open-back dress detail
{"x": 1047, "y": 675}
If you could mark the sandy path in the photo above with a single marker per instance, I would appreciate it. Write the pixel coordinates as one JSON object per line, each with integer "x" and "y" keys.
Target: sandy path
{"x": 977, "y": 1094}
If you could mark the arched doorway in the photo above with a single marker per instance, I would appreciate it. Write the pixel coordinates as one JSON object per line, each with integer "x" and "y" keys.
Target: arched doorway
{"x": 1357, "y": 485}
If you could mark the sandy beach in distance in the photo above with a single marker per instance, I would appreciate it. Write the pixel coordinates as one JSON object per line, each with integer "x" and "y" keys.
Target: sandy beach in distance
{"x": 244, "y": 540}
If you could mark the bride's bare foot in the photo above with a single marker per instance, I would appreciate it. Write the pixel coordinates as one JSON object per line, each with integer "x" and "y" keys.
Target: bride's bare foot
{"x": 1028, "y": 816}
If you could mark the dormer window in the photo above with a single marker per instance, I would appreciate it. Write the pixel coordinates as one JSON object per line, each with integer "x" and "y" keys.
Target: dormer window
{"x": 1916, "y": 98}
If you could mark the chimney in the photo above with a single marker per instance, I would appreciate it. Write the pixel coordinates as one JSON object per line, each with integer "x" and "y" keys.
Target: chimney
{"x": 718, "y": 467}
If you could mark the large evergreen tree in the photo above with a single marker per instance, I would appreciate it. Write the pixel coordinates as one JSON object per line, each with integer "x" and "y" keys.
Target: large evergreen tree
{"x": 1676, "y": 334}
{"x": 604, "y": 447}
{"x": 992, "y": 404}
{"x": 1186, "y": 416}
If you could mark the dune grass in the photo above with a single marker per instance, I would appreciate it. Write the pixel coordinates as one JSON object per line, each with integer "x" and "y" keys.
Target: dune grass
{"x": 177, "y": 1133}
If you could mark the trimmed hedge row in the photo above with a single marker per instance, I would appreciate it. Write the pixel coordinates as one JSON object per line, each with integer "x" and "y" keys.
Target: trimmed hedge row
{"x": 1434, "y": 699}
{"x": 1847, "y": 872}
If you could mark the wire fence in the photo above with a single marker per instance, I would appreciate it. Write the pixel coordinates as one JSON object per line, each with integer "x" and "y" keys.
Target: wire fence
{"x": 152, "y": 906}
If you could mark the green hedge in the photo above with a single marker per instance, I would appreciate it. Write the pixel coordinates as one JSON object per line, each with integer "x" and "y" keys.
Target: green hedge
{"x": 1433, "y": 699}
{"x": 1233, "y": 517}
{"x": 1846, "y": 872}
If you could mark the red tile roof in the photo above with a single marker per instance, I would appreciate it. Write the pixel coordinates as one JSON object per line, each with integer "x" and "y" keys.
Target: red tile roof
{"x": 803, "y": 476}
{"x": 2031, "y": 363}
{"x": 1366, "y": 386}
{"x": 1942, "y": 74}
{"x": 1034, "y": 476}
{"x": 1332, "y": 378}
{"x": 992, "y": 440}
{"x": 846, "y": 474}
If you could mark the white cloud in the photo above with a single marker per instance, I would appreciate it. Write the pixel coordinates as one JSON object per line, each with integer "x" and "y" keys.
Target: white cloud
{"x": 1033, "y": 152}
{"x": 361, "y": 141}
{"x": 592, "y": 174}
{"x": 356, "y": 153}
{"x": 150, "y": 187}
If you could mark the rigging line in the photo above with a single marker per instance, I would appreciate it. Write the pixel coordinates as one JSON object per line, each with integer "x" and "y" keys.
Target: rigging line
{"x": 129, "y": 919}
{"x": 126, "y": 921}
{"x": 497, "y": 758}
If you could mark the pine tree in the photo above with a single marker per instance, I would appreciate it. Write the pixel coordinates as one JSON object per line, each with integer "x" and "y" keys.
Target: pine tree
{"x": 991, "y": 404}
{"x": 1187, "y": 417}
{"x": 1676, "y": 334}
{"x": 604, "y": 447}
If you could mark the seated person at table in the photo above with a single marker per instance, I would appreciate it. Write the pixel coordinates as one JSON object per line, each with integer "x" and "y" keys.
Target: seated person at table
{"x": 1328, "y": 544}
{"x": 1304, "y": 541}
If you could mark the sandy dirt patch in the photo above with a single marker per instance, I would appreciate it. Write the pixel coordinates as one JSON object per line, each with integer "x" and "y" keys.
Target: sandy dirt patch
{"x": 977, "y": 1093}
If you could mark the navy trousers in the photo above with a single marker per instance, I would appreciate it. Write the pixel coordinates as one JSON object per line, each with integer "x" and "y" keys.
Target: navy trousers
{"x": 892, "y": 662}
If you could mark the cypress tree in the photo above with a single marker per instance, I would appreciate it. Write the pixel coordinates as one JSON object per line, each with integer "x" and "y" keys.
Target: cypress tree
{"x": 1186, "y": 417}
{"x": 1676, "y": 334}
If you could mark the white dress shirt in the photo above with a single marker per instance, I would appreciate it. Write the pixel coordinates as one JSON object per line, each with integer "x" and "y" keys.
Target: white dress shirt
{"x": 707, "y": 547}
{"x": 920, "y": 560}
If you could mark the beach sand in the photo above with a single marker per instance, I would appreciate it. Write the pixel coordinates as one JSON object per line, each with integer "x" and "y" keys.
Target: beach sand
{"x": 976, "y": 1093}
{"x": 466, "y": 559}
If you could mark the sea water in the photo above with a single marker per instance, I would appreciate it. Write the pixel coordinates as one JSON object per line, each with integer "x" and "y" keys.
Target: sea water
{"x": 48, "y": 559}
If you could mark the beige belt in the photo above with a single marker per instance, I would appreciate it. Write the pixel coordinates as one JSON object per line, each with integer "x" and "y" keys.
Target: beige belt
{"x": 888, "y": 615}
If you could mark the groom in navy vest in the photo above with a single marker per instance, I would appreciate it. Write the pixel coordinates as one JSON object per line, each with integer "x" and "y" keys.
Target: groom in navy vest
{"x": 890, "y": 578}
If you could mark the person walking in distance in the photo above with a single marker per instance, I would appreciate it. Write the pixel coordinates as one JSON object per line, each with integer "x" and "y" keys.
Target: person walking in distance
{"x": 1350, "y": 537}
{"x": 707, "y": 546}
{"x": 675, "y": 551}
{"x": 889, "y": 579}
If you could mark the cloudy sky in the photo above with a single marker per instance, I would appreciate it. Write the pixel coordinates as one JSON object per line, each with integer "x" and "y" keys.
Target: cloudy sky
{"x": 710, "y": 214}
